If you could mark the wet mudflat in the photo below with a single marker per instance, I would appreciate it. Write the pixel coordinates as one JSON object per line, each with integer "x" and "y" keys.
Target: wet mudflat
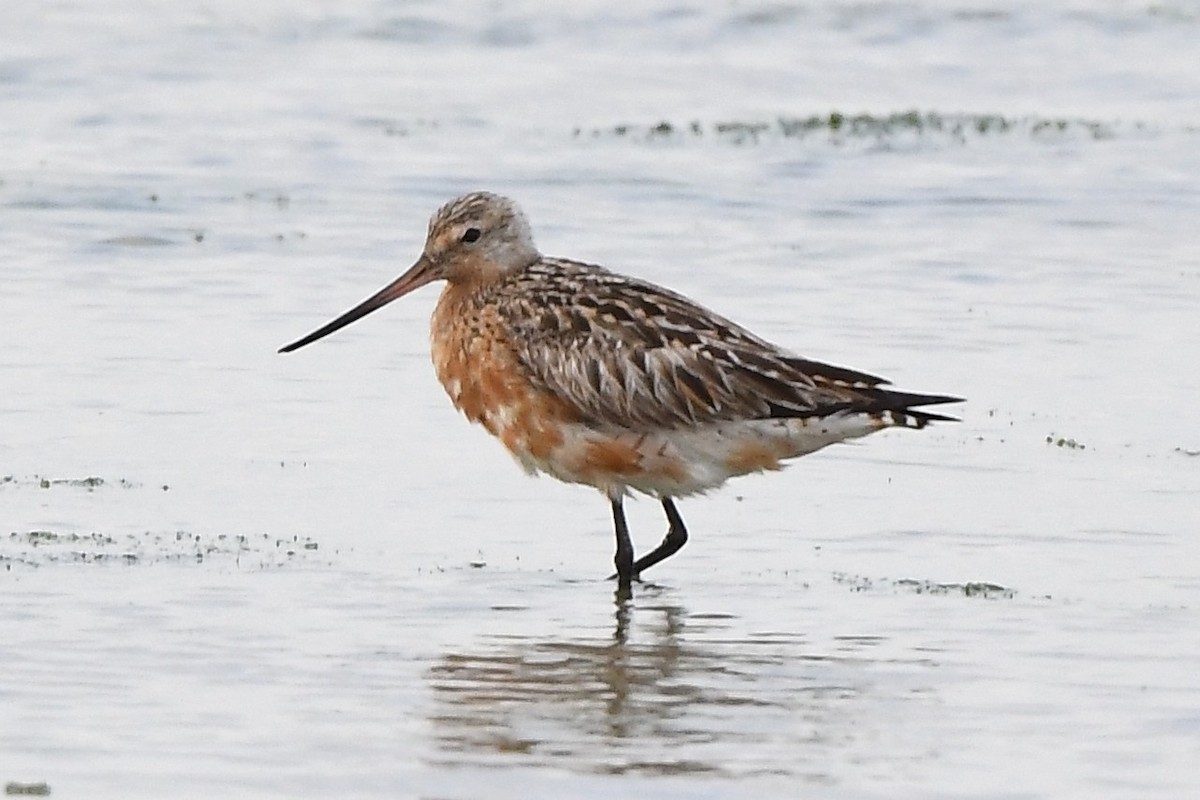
{"x": 225, "y": 571}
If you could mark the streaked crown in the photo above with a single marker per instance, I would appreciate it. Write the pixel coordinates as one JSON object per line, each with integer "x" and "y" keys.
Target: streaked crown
{"x": 480, "y": 235}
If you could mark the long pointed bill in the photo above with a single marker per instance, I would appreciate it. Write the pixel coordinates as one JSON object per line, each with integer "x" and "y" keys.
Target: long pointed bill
{"x": 417, "y": 276}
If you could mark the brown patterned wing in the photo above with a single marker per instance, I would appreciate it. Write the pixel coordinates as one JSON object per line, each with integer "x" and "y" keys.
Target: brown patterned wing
{"x": 632, "y": 355}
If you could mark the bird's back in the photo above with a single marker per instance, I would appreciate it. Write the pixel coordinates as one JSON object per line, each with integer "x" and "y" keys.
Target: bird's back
{"x": 628, "y": 354}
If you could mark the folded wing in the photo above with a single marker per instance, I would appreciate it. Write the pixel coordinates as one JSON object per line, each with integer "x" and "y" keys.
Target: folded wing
{"x": 632, "y": 355}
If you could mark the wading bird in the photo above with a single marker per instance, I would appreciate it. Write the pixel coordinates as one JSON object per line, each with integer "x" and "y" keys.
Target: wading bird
{"x": 610, "y": 381}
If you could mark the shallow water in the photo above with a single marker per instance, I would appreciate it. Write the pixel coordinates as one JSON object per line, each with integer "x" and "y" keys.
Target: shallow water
{"x": 305, "y": 576}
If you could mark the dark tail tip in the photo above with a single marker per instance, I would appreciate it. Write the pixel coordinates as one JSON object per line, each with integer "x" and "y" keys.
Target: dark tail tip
{"x": 904, "y": 408}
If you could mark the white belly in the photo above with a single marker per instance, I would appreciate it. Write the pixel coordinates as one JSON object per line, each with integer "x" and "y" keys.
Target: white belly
{"x": 672, "y": 463}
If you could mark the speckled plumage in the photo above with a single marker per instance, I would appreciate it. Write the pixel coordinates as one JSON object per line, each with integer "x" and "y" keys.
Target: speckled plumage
{"x": 606, "y": 380}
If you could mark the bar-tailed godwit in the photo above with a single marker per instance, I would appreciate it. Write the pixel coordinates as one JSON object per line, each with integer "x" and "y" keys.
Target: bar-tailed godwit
{"x": 610, "y": 381}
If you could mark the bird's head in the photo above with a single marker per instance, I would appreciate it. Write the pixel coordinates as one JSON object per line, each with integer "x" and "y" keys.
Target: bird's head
{"x": 474, "y": 239}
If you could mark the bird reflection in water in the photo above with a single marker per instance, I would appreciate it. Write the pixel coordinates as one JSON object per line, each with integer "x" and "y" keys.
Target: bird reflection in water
{"x": 667, "y": 693}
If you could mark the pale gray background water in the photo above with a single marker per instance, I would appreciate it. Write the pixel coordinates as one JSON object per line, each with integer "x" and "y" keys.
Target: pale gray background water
{"x": 304, "y": 576}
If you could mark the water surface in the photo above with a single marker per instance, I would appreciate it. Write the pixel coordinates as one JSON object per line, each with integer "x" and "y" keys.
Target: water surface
{"x": 227, "y": 571}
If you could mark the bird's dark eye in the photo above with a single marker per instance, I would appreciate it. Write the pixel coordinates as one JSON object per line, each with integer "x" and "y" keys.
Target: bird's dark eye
{"x": 471, "y": 235}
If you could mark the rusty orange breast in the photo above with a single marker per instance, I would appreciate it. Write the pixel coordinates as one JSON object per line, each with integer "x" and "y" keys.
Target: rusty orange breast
{"x": 479, "y": 369}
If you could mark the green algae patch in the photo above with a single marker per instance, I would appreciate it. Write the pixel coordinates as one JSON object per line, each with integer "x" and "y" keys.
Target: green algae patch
{"x": 968, "y": 589}
{"x": 90, "y": 483}
{"x": 1065, "y": 443}
{"x": 983, "y": 589}
{"x": 41, "y": 548}
{"x": 839, "y": 126}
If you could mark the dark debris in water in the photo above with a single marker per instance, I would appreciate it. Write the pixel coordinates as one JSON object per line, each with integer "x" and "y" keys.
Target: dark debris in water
{"x": 969, "y": 589}
{"x": 43, "y": 548}
{"x": 397, "y": 127}
{"x": 18, "y": 789}
{"x": 859, "y": 583}
{"x": 839, "y": 126}
{"x": 137, "y": 240}
{"x": 1061, "y": 441}
{"x": 90, "y": 483}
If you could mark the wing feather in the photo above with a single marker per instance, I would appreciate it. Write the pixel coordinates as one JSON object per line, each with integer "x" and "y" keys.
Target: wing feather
{"x": 629, "y": 354}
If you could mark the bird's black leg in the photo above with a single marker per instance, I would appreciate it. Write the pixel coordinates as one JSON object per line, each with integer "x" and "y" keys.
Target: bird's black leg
{"x": 624, "y": 557}
{"x": 676, "y": 538}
